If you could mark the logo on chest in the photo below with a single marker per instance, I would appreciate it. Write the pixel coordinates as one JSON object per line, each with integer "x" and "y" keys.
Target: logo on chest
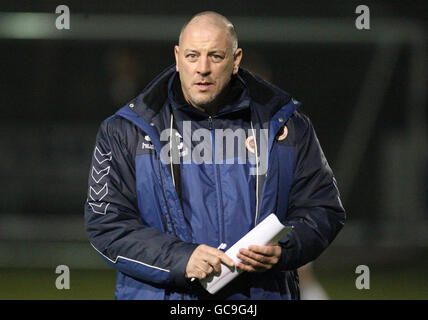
{"x": 282, "y": 134}
{"x": 145, "y": 146}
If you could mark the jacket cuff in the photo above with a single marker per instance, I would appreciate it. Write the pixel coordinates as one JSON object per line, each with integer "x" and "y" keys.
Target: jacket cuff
{"x": 289, "y": 259}
{"x": 178, "y": 271}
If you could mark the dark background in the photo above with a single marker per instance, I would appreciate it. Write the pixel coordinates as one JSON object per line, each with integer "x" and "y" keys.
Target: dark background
{"x": 56, "y": 92}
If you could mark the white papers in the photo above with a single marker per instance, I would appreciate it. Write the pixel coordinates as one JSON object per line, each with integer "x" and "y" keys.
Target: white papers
{"x": 269, "y": 231}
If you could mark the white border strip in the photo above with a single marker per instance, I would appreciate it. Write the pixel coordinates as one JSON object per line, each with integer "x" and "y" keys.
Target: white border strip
{"x": 125, "y": 258}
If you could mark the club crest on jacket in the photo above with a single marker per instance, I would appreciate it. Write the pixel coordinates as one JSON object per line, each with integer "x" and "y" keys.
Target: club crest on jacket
{"x": 283, "y": 133}
{"x": 250, "y": 144}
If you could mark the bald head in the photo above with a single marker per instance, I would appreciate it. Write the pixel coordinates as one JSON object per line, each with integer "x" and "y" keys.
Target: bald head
{"x": 206, "y": 58}
{"x": 214, "y": 19}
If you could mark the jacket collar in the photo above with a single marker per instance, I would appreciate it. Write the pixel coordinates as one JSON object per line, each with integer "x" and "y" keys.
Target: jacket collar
{"x": 237, "y": 98}
{"x": 265, "y": 99}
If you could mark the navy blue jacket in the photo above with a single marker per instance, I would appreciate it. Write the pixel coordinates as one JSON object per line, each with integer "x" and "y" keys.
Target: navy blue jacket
{"x": 145, "y": 216}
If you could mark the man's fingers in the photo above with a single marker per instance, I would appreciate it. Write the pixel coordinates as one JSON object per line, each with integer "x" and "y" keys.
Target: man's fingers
{"x": 214, "y": 262}
{"x": 264, "y": 250}
{"x": 255, "y": 256}
{"x": 207, "y": 268}
{"x": 204, "y": 270}
{"x": 224, "y": 258}
{"x": 206, "y": 260}
{"x": 201, "y": 271}
{"x": 255, "y": 261}
{"x": 259, "y": 258}
{"x": 227, "y": 260}
{"x": 245, "y": 267}
{"x": 200, "y": 275}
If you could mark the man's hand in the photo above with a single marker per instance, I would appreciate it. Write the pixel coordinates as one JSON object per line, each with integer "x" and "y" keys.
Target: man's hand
{"x": 206, "y": 260}
{"x": 259, "y": 258}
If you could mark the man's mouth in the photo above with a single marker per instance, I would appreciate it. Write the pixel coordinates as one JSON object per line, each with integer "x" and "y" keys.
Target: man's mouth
{"x": 203, "y": 85}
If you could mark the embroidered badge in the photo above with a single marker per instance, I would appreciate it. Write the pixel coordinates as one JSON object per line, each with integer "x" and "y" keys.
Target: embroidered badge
{"x": 250, "y": 144}
{"x": 282, "y": 134}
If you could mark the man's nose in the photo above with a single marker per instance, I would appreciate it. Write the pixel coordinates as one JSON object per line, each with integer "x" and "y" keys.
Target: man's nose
{"x": 204, "y": 66}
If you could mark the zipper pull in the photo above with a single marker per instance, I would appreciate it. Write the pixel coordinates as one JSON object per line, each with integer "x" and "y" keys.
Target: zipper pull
{"x": 210, "y": 122}
{"x": 222, "y": 246}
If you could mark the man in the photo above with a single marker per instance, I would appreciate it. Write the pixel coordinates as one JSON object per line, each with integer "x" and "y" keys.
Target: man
{"x": 158, "y": 211}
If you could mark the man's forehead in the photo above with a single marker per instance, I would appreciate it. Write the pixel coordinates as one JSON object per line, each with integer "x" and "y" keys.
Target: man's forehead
{"x": 205, "y": 33}
{"x": 208, "y": 21}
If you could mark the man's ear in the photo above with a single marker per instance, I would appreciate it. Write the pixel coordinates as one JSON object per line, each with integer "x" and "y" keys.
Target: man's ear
{"x": 237, "y": 60}
{"x": 176, "y": 51}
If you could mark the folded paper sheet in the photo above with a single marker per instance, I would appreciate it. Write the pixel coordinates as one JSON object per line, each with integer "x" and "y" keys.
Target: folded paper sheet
{"x": 269, "y": 231}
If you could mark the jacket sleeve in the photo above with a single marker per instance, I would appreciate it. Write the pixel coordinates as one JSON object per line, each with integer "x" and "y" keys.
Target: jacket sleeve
{"x": 314, "y": 209}
{"x": 112, "y": 219}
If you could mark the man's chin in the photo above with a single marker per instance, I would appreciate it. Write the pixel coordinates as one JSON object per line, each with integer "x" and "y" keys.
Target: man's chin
{"x": 203, "y": 103}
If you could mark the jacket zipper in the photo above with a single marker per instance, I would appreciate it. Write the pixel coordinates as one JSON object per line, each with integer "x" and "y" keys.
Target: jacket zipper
{"x": 210, "y": 122}
{"x": 218, "y": 184}
{"x": 166, "y": 202}
{"x": 167, "y": 208}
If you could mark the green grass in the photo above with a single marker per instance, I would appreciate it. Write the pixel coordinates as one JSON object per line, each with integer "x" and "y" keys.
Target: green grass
{"x": 39, "y": 284}
{"x": 409, "y": 284}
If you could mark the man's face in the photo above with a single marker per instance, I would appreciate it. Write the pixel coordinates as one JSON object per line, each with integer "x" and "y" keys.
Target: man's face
{"x": 205, "y": 62}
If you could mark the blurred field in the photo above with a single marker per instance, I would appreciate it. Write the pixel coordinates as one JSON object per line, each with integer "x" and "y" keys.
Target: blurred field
{"x": 384, "y": 285}
{"x": 39, "y": 284}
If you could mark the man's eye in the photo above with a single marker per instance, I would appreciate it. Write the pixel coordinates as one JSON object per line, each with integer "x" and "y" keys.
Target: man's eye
{"x": 191, "y": 56}
{"x": 217, "y": 57}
